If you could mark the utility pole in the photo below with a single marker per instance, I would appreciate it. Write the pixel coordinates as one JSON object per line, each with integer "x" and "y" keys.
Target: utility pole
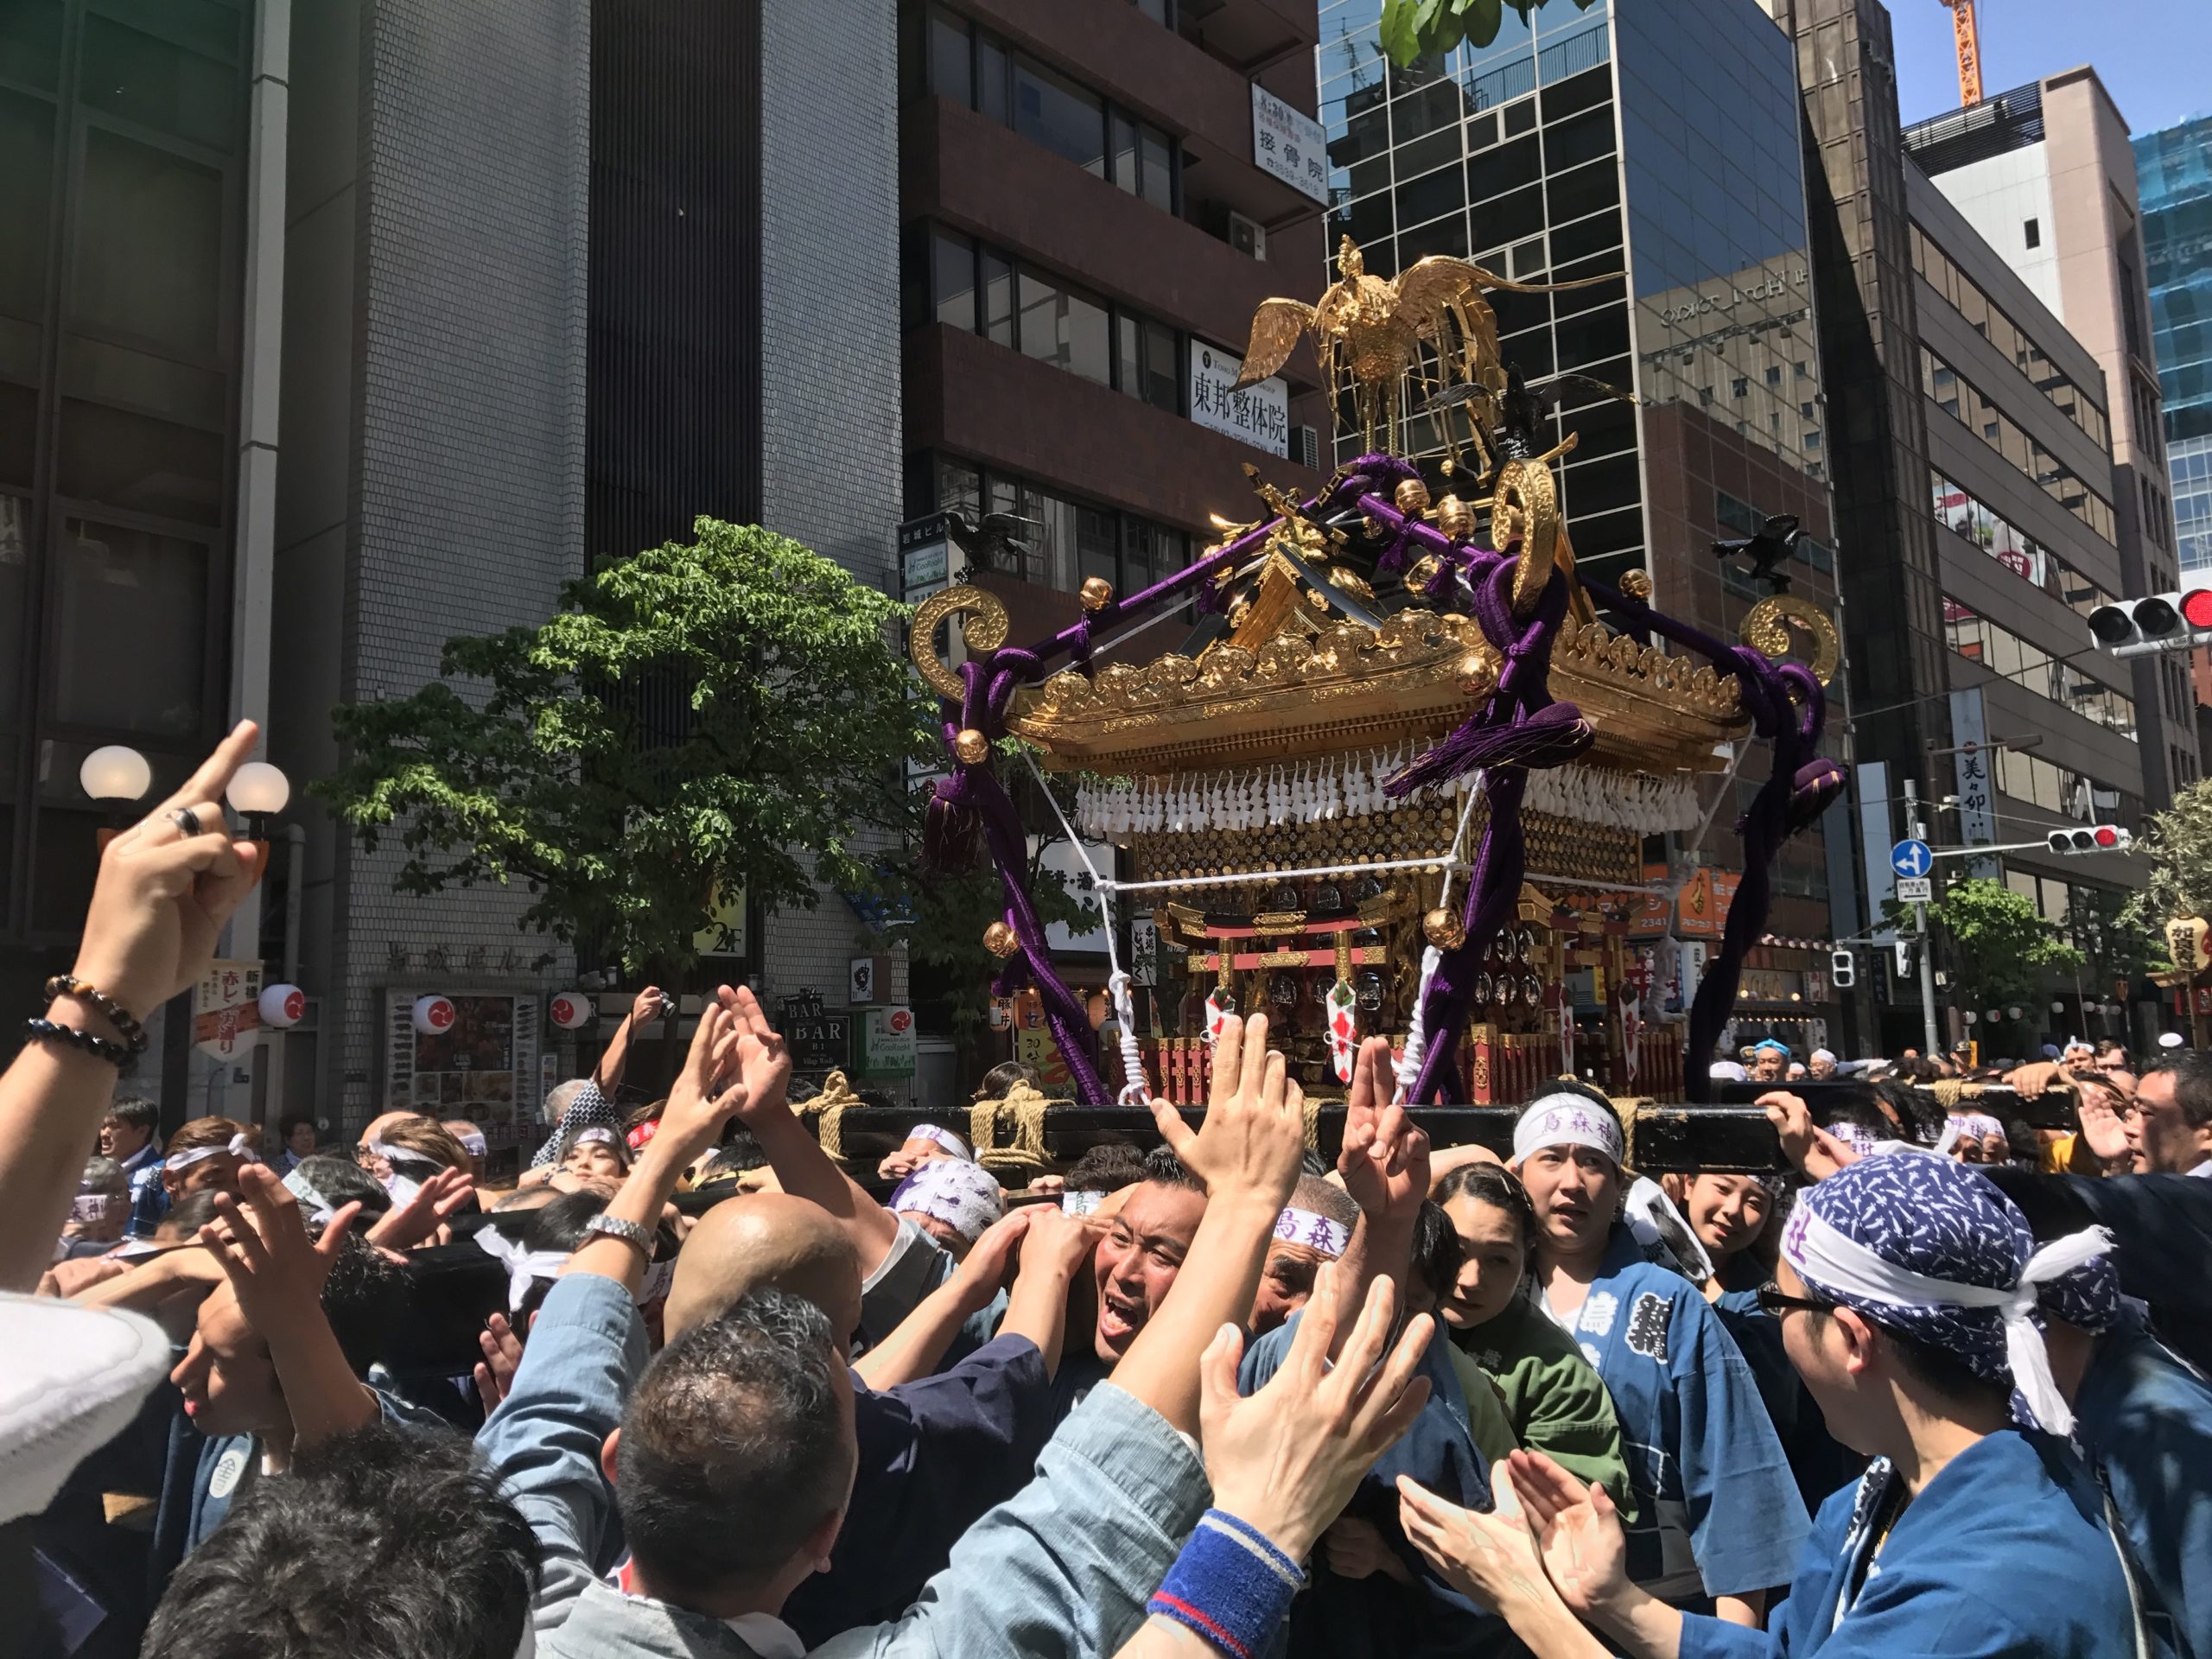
{"x": 1918, "y": 831}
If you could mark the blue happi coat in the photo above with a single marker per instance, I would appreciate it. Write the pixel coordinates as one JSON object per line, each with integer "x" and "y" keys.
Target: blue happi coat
{"x": 2005, "y": 1553}
{"x": 1717, "y": 1511}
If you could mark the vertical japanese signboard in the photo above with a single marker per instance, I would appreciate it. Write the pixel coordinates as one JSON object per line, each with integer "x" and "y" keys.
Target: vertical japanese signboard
{"x": 1975, "y": 788}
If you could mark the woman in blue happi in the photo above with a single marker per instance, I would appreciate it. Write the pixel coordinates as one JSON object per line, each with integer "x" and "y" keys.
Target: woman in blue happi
{"x": 1906, "y": 1292}
{"x": 1719, "y": 1519}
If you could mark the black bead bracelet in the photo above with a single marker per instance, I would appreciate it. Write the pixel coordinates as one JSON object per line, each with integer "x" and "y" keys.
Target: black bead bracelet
{"x": 126, "y": 1024}
{"x": 47, "y": 1030}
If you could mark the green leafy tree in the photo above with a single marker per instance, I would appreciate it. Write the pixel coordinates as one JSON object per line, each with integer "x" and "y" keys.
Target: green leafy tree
{"x": 942, "y": 927}
{"x": 1413, "y": 29}
{"x": 2001, "y": 948}
{"x": 730, "y": 713}
{"x": 2179, "y": 843}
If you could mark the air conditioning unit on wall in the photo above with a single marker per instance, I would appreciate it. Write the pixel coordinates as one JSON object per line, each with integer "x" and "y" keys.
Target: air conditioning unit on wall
{"x": 1247, "y": 236}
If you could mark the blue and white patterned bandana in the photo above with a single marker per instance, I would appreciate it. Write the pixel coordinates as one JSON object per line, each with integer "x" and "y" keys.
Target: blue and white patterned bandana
{"x": 2088, "y": 1298}
{"x": 1931, "y": 1251}
{"x": 963, "y": 1196}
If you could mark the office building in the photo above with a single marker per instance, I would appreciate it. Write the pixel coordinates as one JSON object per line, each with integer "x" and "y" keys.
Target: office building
{"x": 347, "y": 328}
{"x": 1095, "y": 196}
{"x": 2173, "y": 171}
{"x": 1973, "y": 477}
{"x": 1659, "y": 140}
{"x": 2046, "y": 176}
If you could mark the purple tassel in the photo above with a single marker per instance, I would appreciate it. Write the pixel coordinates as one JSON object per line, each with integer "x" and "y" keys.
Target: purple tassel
{"x": 1818, "y": 781}
{"x": 950, "y": 832}
{"x": 1552, "y": 736}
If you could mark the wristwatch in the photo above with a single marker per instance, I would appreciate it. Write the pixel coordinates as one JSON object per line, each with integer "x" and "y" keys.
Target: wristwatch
{"x": 640, "y": 1238}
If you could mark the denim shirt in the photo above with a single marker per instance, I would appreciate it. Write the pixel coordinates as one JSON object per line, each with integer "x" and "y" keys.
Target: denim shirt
{"x": 1066, "y": 1565}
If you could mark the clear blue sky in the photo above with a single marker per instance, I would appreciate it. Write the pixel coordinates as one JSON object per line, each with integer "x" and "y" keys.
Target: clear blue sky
{"x": 2151, "y": 54}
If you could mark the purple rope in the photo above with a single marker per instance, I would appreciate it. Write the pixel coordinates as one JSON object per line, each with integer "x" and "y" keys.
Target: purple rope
{"x": 1798, "y": 788}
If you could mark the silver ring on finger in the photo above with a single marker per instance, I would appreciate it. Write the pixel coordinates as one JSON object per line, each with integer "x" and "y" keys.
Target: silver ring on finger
{"x": 187, "y": 822}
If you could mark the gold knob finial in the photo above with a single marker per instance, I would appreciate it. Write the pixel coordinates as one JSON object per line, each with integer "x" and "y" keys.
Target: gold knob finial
{"x": 1444, "y": 929}
{"x": 972, "y": 747}
{"x": 1455, "y": 518}
{"x": 1097, "y": 593}
{"x": 1412, "y": 498}
{"x": 1000, "y": 940}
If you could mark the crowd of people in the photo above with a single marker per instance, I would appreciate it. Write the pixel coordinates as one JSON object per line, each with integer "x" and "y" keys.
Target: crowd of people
{"x": 1934, "y": 1390}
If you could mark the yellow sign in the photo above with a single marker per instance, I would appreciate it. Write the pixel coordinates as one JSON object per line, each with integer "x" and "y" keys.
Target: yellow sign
{"x": 724, "y": 933}
{"x": 2187, "y": 941}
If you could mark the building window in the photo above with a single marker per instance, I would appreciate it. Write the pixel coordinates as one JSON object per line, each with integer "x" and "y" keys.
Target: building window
{"x": 1063, "y": 540}
{"x": 1064, "y": 328}
{"x": 131, "y": 585}
{"x": 1966, "y": 403}
{"x": 1053, "y": 111}
{"x": 2032, "y": 234}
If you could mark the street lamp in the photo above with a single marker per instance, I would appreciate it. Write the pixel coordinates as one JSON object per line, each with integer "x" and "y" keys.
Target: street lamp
{"x": 116, "y": 773}
{"x": 118, "y": 776}
{"x": 258, "y": 791}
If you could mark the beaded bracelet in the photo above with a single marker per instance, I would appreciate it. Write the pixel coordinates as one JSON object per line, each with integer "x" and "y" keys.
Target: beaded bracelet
{"x": 1230, "y": 1587}
{"x": 47, "y": 1030}
{"x": 133, "y": 1033}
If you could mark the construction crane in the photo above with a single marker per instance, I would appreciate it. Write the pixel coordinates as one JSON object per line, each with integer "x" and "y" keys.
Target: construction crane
{"x": 1969, "y": 44}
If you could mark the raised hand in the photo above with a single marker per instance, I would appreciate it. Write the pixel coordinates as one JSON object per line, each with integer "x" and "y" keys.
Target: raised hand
{"x": 424, "y": 1215}
{"x": 1287, "y": 1459}
{"x": 764, "y": 1063}
{"x": 1491, "y": 1558}
{"x": 704, "y": 1097}
{"x": 1804, "y": 1143}
{"x": 2098, "y": 1107}
{"x": 1057, "y": 1244}
{"x": 645, "y": 1008}
{"x": 276, "y": 1270}
{"x": 1255, "y": 1131}
{"x": 1384, "y": 1157}
{"x": 162, "y": 896}
{"x": 983, "y": 1271}
{"x": 495, "y": 1372}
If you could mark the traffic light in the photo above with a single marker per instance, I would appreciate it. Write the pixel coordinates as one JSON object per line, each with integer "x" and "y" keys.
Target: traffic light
{"x": 2097, "y": 838}
{"x": 2134, "y": 628}
{"x": 1843, "y": 969}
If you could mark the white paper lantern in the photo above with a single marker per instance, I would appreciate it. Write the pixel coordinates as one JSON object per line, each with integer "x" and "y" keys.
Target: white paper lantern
{"x": 283, "y": 1005}
{"x": 570, "y": 1010}
{"x": 433, "y": 1014}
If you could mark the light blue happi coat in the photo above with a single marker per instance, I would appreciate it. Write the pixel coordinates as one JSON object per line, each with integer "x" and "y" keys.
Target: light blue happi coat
{"x": 1717, "y": 1510}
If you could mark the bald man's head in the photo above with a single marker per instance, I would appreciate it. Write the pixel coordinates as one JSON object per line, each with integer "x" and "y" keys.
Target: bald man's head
{"x": 764, "y": 1239}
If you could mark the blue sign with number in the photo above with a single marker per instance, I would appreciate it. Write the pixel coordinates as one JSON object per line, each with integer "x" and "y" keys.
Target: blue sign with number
{"x": 1911, "y": 858}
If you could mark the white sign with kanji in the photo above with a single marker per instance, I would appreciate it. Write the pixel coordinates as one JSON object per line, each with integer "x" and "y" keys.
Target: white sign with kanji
{"x": 1259, "y": 415}
{"x": 1289, "y": 144}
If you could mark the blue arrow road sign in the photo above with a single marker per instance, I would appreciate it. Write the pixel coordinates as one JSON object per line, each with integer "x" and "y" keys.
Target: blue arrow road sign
{"x": 1911, "y": 858}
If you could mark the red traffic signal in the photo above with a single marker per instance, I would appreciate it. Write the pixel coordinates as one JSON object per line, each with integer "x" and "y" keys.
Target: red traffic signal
{"x": 2197, "y": 608}
{"x": 2097, "y": 838}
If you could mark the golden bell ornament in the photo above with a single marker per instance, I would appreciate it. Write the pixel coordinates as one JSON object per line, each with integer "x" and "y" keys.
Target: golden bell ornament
{"x": 1097, "y": 593}
{"x": 1411, "y": 497}
{"x": 1478, "y": 677}
{"x": 972, "y": 747}
{"x": 1637, "y": 584}
{"x": 1444, "y": 929}
{"x": 1455, "y": 518}
{"x": 1000, "y": 940}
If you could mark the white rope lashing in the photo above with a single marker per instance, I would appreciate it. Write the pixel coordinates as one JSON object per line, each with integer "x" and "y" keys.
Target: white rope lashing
{"x": 1136, "y": 1089}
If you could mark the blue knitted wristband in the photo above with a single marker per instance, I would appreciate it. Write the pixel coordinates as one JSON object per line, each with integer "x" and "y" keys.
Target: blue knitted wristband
{"x": 1230, "y": 1586}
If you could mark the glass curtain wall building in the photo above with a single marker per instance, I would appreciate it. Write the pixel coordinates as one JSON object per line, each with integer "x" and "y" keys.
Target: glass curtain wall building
{"x": 123, "y": 132}
{"x": 2173, "y": 172}
{"x": 1659, "y": 141}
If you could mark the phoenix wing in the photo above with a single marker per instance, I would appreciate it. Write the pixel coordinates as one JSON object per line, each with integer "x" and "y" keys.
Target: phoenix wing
{"x": 1276, "y": 328}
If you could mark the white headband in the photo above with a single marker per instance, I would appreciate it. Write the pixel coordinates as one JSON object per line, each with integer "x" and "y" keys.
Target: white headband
{"x": 239, "y": 1148}
{"x": 1823, "y": 1255}
{"x": 525, "y": 1268}
{"x": 1331, "y": 1237}
{"x": 597, "y": 1132}
{"x": 474, "y": 1143}
{"x": 945, "y": 1138}
{"x": 1080, "y": 1202}
{"x": 1564, "y": 1120}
